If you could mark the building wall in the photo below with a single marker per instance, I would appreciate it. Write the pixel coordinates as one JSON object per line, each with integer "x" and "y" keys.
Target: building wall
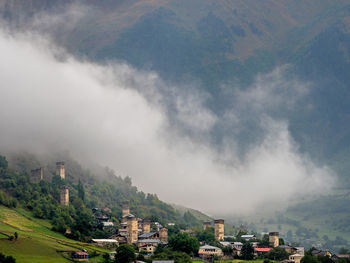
{"x": 64, "y": 198}
{"x": 132, "y": 230}
{"x": 206, "y": 225}
{"x": 163, "y": 235}
{"x": 146, "y": 227}
{"x": 60, "y": 170}
{"x": 125, "y": 209}
{"x": 219, "y": 229}
{"x": 210, "y": 252}
{"x": 36, "y": 175}
{"x": 274, "y": 239}
{"x": 295, "y": 258}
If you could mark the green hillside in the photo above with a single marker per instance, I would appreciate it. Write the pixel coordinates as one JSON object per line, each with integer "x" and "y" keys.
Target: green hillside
{"x": 319, "y": 222}
{"x": 216, "y": 43}
{"x": 36, "y": 242}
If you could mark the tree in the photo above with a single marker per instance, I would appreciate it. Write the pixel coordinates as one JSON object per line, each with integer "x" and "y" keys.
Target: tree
{"x": 344, "y": 250}
{"x": 281, "y": 241}
{"x": 184, "y": 243}
{"x": 167, "y": 254}
{"x": 3, "y": 163}
{"x": 125, "y": 254}
{"x": 106, "y": 258}
{"x": 7, "y": 259}
{"x": 309, "y": 259}
{"x": 265, "y": 241}
{"x": 247, "y": 251}
{"x": 207, "y": 235}
{"x": 278, "y": 254}
{"x": 81, "y": 191}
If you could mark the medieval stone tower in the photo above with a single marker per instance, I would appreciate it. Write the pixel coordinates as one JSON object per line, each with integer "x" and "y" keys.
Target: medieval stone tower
{"x": 219, "y": 229}
{"x": 163, "y": 235}
{"x": 125, "y": 210}
{"x": 206, "y": 225}
{"x": 146, "y": 226}
{"x": 60, "y": 170}
{"x": 64, "y": 197}
{"x": 36, "y": 175}
{"x": 274, "y": 239}
{"x": 132, "y": 229}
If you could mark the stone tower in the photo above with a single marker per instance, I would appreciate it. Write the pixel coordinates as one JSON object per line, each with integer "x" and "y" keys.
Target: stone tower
{"x": 163, "y": 235}
{"x": 64, "y": 197}
{"x": 125, "y": 208}
{"x": 274, "y": 239}
{"x": 146, "y": 226}
{"x": 60, "y": 170}
{"x": 132, "y": 229}
{"x": 206, "y": 225}
{"x": 125, "y": 211}
{"x": 36, "y": 175}
{"x": 219, "y": 229}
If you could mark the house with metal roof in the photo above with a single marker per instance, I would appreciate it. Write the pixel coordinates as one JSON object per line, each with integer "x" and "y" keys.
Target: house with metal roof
{"x": 248, "y": 237}
{"x": 259, "y": 251}
{"x": 207, "y": 251}
{"x": 150, "y": 235}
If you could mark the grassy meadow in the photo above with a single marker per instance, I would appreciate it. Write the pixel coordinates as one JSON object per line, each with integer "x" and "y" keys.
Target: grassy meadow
{"x": 36, "y": 242}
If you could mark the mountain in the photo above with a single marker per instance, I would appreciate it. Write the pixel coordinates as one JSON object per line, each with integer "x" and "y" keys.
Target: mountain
{"x": 87, "y": 191}
{"x": 218, "y": 43}
{"x": 226, "y": 44}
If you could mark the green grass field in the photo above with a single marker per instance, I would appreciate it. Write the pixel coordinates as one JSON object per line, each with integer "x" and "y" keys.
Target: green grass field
{"x": 36, "y": 242}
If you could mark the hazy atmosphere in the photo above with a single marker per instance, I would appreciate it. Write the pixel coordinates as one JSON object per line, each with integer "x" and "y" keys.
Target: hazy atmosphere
{"x": 158, "y": 134}
{"x": 175, "y": 131}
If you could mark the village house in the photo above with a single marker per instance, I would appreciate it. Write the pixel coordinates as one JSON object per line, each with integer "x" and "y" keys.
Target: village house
{"x": 226, "y": 243}
{"x": 150, "y": 235}
{"x": 107, "y": 224}
{"x": 236, "y": 251}
{"x": 80, "y": 256}
{"x": 336, "y": 257}
{"x": 237, "y": 245}
{"x": 148, "y": 245}
{"x": 259, "y": 251}
{"x": 248, "y": 237}
{"x": 105, "y": 243}
{"x": 317, "y": 252}
{"x": 289, "y": 249}
{"x": 207, "y": 251}
{"x": 296, "y": 258}
{"x": 300, "y": 250}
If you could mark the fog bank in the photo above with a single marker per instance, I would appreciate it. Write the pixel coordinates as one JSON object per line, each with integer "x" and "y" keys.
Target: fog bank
{"x": 120, "y": 117}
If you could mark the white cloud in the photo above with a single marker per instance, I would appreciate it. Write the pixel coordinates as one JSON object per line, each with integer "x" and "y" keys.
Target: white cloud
{"x": 116, "y": 116}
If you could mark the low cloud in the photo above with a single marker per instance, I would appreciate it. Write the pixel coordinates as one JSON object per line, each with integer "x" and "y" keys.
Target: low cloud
{"x": 120, "y": 117}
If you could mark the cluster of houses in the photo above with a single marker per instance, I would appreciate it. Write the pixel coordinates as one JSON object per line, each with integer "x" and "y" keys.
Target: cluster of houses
{"x": 295, "y": 253}
{"x": 146, "y": 235}
{"x": 136, "y": 231}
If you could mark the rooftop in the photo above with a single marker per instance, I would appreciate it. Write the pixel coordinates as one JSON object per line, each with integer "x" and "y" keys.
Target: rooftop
{"x": 147, "y": 235}
{"x": 105, "y": 240}
{"x": 149, "y": 241}
{"x": 208, "y": 247}
{"x": 262, "y": 249}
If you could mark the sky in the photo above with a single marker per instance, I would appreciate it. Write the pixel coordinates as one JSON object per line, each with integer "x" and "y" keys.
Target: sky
{"x": 159, "y": 134}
